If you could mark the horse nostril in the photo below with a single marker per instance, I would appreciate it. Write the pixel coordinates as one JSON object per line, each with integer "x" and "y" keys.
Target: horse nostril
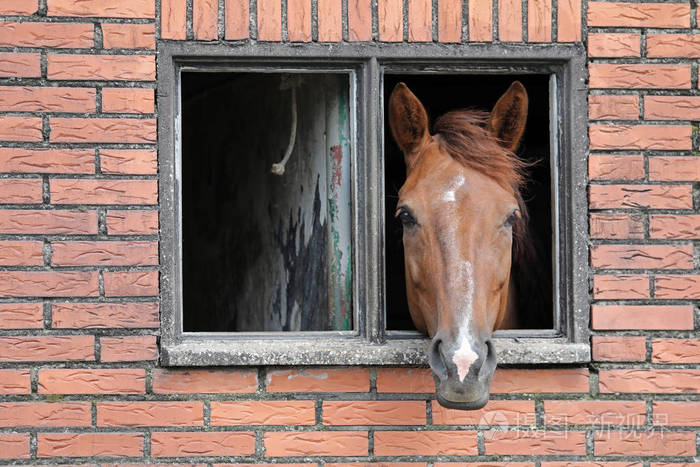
{"x": 437, "y": 361}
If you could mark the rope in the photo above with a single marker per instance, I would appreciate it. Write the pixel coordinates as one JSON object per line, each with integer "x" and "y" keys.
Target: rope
{"x": 278, "y": 168}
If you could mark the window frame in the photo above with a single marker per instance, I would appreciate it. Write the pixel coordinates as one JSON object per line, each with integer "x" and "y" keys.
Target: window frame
{"x": 370, "y": 343}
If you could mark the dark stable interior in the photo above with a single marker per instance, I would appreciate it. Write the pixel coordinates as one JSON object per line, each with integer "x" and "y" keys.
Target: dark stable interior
{"x": 440, "y": 94}
{"x": 256, "y": 254}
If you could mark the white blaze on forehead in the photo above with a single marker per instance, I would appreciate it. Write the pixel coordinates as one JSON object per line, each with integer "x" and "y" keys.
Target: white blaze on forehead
{"x": 465, "y": 356}
{"x": 452, "y": 187}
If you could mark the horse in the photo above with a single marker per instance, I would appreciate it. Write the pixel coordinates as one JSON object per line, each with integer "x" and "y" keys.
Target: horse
{"x": 464, "y": 234}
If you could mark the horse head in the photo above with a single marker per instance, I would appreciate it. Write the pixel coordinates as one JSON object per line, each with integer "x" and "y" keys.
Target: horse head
{"x": 460, "y": 209}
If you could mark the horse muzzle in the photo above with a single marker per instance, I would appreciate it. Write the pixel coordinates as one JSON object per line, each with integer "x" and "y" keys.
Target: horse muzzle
{"x": 456, "y": 390}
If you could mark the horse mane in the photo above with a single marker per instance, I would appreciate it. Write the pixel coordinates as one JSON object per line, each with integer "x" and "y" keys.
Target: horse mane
{"x": 464, "y": 135}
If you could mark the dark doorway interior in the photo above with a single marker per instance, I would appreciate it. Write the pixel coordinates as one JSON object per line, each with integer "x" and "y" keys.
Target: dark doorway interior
{"x": 442, "y": 93}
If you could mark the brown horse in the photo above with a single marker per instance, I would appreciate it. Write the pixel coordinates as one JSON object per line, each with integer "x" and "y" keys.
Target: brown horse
{"x": 463, "y": 223}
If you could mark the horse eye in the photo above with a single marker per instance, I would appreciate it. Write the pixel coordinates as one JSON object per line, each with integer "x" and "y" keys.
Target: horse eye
{"x": 510, "y": 220}
{"x": 406, "y": 217}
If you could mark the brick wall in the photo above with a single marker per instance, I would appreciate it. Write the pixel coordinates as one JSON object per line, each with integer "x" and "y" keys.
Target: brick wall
{"x": 79, "y": 251}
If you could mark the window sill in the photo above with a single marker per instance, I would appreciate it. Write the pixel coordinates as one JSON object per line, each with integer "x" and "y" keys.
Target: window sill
{"x": 196, "y": 351}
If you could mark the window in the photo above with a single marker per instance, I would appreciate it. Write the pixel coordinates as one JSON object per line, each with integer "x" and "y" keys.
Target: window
{"x": 327, "y": 293}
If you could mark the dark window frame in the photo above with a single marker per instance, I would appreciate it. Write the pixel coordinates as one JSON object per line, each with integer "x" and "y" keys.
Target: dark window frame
{"x": 370, "y": 343}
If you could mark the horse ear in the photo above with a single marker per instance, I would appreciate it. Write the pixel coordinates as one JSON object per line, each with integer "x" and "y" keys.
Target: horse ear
{"x": 408, "y": 121}
{"x": 508, "y": 117}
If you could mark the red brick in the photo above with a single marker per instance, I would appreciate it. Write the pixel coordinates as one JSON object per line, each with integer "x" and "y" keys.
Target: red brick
{"x": 449, "y": 20}
{"x": 38, "y": 99}
{"x": 674, "y": 168}
{"x": 673, "y": 45}
{"x": 20, "y": 128}
{"x": 374, "y": 413}
{"x": 21, "y": 316}
{"x": 172, "y": 444}
{"x": 641, "y": 317}
{"x": 405, "y": 380}
{"x": 590, "y": 464}
{"x": 128, "y": 349}
{"x": 48, "y": 284}
{"x": 640, "y": 196}
{"x": 173, "y": 17}
{"x": 16, "y": 414}
{"x": 568, "y": 380}
{"x": 619, "y": 349}
{"x": 359, "y": 20}
{"x": 539, "y": 21}
{"x": 639, "y": 15}
{"x": 496, "y": 412}
{"x": 105, "y": 315}
{"x": 539, "y": 443}
{"x": 609, "y": 413}
{"x": 128, "y": 161}
{"x": 151, "y": 413}
{"x": 614, "y": 45}
{"x": 318, "y": 380}
{"x": 299, "y": 20}
{"x": 72, "y": 35}
{"x": 86, "y": 381}
{"x": 106, "y": 8}
{"x": 613, "y": 108}
{"x": 604, "y": 225}
{"x": 102, "y": 67}
{"x": 103, "y": 130}
{"x": 330, "y": 21}
{"x": 684, "y": 286}
{"x": 634, "y": 76}
{"x": 21, "y": 253}
{"x": 569, "y": 21}
{"x": 130, "y": 253}
{"x": 425, "y": 443}
{"x": 262, "y": 413}
{"x": 326, "y": 464}
{"x": 671, "y": 108}
{"x": 640, "y": 443}
{"x": 131, "y": 283}
{"x": 642, "y": 256}
{"x": 14, "y": 382}
{"x": 613, "y": 167}
{"x": 204, "y": 18}
{"x": 665, "y": 350}
{"x": 420, "y": 21}
{"x": 83, "y": 191}
{"x": 677, "y": 413}
{"x": 46, "y": 348}
{"x": 317, "y": 443}
{"x": 13, "y": 65}
{"x": 237, "y": 19}
{"x": 14, "y": 446}
{"x": 270, "y": 20}
{"x": 19, "y": 7}
{"x": 41, "y": 160}
{"x": 382, "y": 464}
{"x": 128, "y": 36}
{"x": 89, "y": 444}
{"x": 20, "y": 190}
{"x": 650, "y": 381}
{"x": 510, "y": 20}
{"x": 390, "y": 20}
{"x": 132, "y": 222}
{"x": 34, "y": 221}
{"x": 481, "y": 20}
{"x": 222, "y": 381}
{"x": 128, "y": 100}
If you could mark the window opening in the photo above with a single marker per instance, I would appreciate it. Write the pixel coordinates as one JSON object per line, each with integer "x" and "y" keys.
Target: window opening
{"x": 262, "y": 251}
{"x": 441, "y": 93}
